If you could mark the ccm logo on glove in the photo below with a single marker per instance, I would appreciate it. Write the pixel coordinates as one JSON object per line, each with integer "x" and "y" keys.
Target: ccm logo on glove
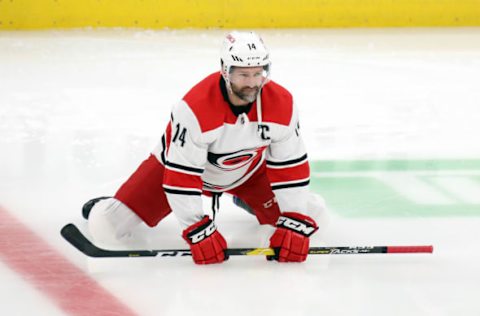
{"x": 291, "y": 239}
{"x": 196, "y": 237}
{"x": 303, "y": 228}
{"x": 206, "y": 243}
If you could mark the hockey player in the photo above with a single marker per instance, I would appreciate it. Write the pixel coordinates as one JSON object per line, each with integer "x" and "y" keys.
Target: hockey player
{"x": 235, "y": 132}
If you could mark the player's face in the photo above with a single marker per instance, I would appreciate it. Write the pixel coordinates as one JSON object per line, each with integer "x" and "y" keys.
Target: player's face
{"x": 246, "y": 82}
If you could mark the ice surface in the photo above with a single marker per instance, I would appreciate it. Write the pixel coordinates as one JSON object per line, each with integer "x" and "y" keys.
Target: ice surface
{"x": 80, "y": 109}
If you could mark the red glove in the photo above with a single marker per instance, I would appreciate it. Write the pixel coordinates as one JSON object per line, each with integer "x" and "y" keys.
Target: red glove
{"x": 291, "y": 241}
{"x": 206, "y": 243}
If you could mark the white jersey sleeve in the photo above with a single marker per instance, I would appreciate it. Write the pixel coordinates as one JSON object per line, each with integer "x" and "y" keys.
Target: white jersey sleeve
{"x": 185, "y": 160}
{"x": 288, "y": 169}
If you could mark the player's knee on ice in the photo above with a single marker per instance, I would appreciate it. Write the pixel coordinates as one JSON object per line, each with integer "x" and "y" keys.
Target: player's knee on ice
{"x": 316, "y": 209}
{"x": 111, "y": 223}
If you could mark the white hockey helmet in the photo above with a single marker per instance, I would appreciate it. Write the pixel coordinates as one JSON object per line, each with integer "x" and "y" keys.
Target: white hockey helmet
{"x": 244, "y": 49}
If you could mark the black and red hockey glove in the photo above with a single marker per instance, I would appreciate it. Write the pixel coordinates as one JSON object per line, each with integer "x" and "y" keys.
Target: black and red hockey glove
{"x": 291, "y": 239}
{"x": 206, "y": 243}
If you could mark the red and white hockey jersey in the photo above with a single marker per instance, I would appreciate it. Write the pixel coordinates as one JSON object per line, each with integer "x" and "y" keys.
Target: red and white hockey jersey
{"x": 207, "y": 147}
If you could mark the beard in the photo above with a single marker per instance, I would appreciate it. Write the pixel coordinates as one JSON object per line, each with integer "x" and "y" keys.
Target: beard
{"x": 247, "y": 94}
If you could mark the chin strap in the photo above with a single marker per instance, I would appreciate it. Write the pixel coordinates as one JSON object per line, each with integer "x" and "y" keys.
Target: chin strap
{"x": 259, "y": 112}
{"x": 216, "y": 203}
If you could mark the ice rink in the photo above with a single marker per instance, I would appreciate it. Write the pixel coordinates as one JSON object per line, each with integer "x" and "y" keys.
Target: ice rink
{"x": 390, "y": 117}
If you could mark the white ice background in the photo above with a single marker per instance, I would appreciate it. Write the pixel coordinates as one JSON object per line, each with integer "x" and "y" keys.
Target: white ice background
{"x": 79, "y": 110}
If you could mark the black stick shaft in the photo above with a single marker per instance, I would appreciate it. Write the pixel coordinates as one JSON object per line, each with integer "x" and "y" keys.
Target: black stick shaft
{"x": 75, "y": 237}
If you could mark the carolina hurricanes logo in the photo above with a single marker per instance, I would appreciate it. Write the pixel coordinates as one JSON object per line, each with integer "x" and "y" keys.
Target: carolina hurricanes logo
{"x": 231, "y": 38}
{"x": 236, "y": 160}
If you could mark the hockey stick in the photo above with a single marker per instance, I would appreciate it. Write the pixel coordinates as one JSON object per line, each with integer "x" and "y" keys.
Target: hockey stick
{"x": 75, "y": 237}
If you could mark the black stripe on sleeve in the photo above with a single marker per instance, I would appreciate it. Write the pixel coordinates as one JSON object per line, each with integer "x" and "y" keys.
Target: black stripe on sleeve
{"x": 185, "y": 168}
{"x": 290, "y": 185}
{"x": 162, "y": 154}
{"x": 182, "y": 192}
{"x": 286, "y": 163}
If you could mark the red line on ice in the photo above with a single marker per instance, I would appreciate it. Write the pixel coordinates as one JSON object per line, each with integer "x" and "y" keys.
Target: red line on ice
{"x": 66, "y": 285}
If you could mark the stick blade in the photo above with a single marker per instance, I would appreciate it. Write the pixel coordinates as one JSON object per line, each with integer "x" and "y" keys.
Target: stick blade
{"x": 73, "y": 235}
